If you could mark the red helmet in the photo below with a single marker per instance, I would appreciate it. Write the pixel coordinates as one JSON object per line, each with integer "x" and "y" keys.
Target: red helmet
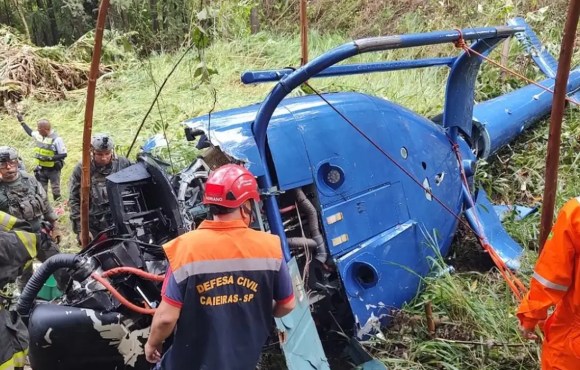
{"x": 230, "y": 186}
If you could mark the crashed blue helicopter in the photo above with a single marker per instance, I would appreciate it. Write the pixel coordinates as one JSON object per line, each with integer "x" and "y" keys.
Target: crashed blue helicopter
{"x": 362, "y": 192}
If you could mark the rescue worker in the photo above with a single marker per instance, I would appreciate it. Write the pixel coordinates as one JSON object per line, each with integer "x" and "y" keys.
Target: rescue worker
{"x": 21, "y": 196}
{"x": 103, "y": 163}
{"x": 556, "y": 283}
{"x": 49, "y": 153}
{"x": 224, "y": 284}
{"x": 17, "y": 249}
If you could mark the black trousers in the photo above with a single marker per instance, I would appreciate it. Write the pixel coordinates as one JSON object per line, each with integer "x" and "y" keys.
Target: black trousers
{"x": 45, "y": 175}
{"x": 13, "y": 340}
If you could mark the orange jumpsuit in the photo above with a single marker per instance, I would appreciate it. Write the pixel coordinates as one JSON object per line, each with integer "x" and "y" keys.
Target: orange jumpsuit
{"x": 556, "y": 282}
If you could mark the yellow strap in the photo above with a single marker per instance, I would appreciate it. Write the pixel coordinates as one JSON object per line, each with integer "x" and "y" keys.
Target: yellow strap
{"x": 29, "y": 241}
{"x": 17, "y": 360}
{"x": 7, "y": 221}
{"x": 45, "y": 163}
{"x": 45, "y": 152}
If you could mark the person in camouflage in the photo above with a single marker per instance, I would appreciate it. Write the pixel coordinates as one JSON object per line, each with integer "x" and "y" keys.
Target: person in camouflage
{"x": 21, "y": 196}
{"x": 103, "y": 163}
{"x": 20, "y": 193}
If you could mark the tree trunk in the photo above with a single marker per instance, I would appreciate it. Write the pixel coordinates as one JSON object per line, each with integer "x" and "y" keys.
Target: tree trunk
{"x": 153, "y": 10}
{"x": 23, "y": 20}
{"x": 52, "y": 19}
{"x": 6, "y": 14}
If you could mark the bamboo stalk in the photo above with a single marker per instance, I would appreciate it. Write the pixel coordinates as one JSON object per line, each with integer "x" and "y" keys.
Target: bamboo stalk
{"x": 303, "y": 33}
{"x": 88, "y": 128}
{"x": 558, "y": 106}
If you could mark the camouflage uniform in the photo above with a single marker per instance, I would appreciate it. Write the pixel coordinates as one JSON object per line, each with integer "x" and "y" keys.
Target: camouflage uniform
{"x": 100, "y": 217}
{"x": 24, "y": 198}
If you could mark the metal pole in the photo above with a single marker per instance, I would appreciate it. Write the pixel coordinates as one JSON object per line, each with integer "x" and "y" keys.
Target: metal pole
{"x": 558, "y": 106}
{"x": 88, "y": 128}
{"x": 303, "y": 33}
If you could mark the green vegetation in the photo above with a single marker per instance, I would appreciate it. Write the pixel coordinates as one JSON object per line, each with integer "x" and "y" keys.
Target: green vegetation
{"x": 474, "y": 310}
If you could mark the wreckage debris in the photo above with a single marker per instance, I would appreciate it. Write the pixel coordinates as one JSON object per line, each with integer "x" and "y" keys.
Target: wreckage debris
{"x": 27, "y": 71}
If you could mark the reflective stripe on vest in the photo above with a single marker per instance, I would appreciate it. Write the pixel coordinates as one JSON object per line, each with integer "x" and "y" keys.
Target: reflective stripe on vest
{"x": 45, "y": 148}
{"x": 548, "y": 284}
{"x": 226, "y": 265}
{"x": 28, "y": 240}
{"x": 7, "y": 221}
{"x": 17, "y": 360}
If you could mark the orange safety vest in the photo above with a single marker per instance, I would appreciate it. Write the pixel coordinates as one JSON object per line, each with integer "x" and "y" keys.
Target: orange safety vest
{"x": 227, "y": 274}
{"x": 556, "y": 282}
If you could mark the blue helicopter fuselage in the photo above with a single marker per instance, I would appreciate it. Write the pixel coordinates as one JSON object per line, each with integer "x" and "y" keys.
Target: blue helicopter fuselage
{"x": 379, "y": 224}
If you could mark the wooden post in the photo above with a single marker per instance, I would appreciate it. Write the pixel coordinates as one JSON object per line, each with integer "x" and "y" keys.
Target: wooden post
{"x": 558, "y": 106}
{"x": 429, "y": 317}
{"x": 88, "y": 128}
{"x": 303, "y": 32}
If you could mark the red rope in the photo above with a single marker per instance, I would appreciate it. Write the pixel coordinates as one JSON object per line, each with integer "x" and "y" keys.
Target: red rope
{"x": 461, "y": 44}
{"x": 516, "y": 286}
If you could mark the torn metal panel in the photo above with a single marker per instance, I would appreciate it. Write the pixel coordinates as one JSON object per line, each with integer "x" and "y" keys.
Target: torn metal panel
{"x": 486, "y": 222}
{"x": 381, "y": 274}
{"x": 521, "y": 212}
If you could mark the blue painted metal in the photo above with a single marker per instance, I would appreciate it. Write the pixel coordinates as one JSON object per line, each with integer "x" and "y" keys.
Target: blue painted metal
{"x": 251, "y": 77}
{"x": 301, "y": 344}
{"x": 389, "y": 225}
{"x": 534, "y": 47}
{"x": 504, "y": 118}
{"x": 290, "y": 82}
{"x": 460, "y": 91}
{"x": 154, "y": 142}
{"x": 520, "y": 212}
{"x": 486, "y": 223}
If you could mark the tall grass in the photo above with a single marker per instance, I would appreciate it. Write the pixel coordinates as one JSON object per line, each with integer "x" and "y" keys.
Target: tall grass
{"x": 474, "y": 306}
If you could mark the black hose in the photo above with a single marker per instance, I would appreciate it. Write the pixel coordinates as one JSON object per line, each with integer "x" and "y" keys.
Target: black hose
{"x": 40, "y": 277}
{"x": 301, "y": 243}
{"x": 306, "y": 206}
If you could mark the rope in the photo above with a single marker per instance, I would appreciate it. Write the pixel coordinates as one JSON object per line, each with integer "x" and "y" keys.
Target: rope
{"x": 461, "y": 44}
{"x": 515, "y": 285}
